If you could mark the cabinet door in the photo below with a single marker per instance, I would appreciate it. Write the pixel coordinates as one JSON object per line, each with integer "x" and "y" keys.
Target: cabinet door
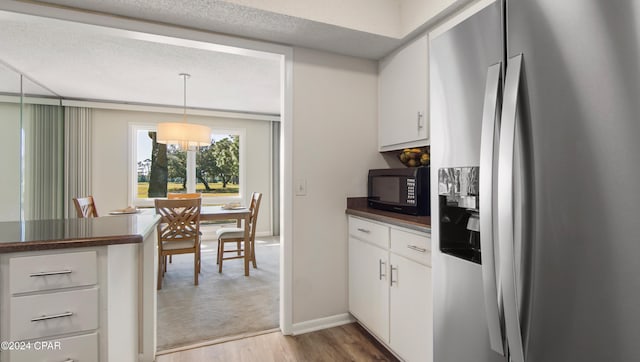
{"x": 368, "y": 286}
{"x": 52, "y": 271}
{"x": 44, "y": 315}
{"x": 82, "y": 348}
{"x": 411, "y": 319}
{"x": 403, "y": 84}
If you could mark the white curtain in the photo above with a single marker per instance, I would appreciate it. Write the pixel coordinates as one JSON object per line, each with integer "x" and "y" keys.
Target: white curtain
{"x": 43, "y": 128}
{"x": 77, "y": 154}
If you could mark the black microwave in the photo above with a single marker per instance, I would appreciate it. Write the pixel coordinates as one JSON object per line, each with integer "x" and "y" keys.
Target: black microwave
{"x": 403, "y": 190}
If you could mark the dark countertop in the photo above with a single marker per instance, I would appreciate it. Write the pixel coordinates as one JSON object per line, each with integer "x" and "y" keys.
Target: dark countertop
{"x": 357, "y": 206}
{"x": 75, "y": 233}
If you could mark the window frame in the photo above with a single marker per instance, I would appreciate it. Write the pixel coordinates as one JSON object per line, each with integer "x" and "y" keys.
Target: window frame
{"x": 134, "y": 128}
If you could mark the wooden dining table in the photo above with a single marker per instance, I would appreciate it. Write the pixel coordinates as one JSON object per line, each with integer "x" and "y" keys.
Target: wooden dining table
{"x": 216, "y": 213}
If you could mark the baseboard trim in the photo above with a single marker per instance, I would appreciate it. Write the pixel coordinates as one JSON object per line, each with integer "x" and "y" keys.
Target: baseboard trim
{"x": 321, "y": 323}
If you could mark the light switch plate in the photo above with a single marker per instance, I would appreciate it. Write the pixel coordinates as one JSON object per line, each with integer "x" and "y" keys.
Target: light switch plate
{"x": 301, "y": 187}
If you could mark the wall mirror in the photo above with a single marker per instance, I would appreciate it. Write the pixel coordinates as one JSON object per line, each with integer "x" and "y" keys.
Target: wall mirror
{"x": 32, "y": 143}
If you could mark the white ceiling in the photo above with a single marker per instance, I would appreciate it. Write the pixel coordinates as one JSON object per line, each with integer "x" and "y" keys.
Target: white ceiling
{"x": 94, "y": 63}
{"x": 230, "y": 17}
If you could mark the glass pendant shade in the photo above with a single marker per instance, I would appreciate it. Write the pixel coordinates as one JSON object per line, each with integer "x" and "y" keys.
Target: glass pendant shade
{"x": 185, "y": 135}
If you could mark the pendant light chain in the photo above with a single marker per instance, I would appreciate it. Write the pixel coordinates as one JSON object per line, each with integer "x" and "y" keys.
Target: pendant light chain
{"x": 184, "y": 113}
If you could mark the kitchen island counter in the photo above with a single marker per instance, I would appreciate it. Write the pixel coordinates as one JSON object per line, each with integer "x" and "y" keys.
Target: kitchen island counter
{"x": 97, "y": 277}
{"x": 16, "y": 236}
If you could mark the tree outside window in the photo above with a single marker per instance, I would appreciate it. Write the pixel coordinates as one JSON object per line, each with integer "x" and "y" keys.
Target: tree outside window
{"x": 163, "y": 168}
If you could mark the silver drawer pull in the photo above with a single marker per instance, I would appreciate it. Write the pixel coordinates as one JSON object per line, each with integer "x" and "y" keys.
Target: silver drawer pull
{"x": 69, "y": 360}
{"x": 364, "y": 230}
{"x": 44, "y": 274}
{"x": 391, "y": 281}
{"x": 416, "y": 248}
{"x": 47, "y": 317}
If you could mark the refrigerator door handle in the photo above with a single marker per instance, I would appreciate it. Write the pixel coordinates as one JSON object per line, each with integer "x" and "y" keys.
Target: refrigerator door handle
{"x": 490, "y": 121}
{"x": 506, "y": 155}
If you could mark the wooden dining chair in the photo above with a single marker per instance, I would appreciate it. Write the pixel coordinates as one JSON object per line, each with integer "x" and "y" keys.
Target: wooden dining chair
{"x": 178, "y": 195}
{"x": 236, "y": 235}
{"x": 178, "y": 232}
{"x": 182, "y": 195}
{"x": 85, "y": 207}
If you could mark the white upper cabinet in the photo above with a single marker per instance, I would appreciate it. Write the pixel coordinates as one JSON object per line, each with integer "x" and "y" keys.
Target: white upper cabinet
{"x": 402, "y": 97}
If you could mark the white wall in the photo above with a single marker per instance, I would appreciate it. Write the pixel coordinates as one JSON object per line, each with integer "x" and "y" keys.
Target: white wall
{"x": 391, "y": 18}
{"x": 10, "y": 162}
{"x": 372, "y": 16}
{"x": 414, "y": 13}
{"x": 111, "y": 158}
{"x": 335, "y": 144}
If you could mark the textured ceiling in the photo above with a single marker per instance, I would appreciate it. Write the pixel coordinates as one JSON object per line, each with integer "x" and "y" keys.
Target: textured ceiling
{"x": 229, "y": 18}
{"x": 90, "y": 62}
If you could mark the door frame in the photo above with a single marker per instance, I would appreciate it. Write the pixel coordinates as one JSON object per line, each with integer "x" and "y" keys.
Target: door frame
{"x": 219, "y": 42}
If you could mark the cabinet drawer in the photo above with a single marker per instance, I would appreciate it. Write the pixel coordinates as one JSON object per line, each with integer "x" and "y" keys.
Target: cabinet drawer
{"x": 44, "y": 315}
{"x": 45, "y": 272}
{"x": 369, "y": 231}
{"x": 415, "y": 246}
{"x": 82, "y": 348}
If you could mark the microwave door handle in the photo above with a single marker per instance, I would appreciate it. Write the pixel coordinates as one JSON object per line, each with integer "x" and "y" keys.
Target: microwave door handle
{"x": 506, "y": 230}
{"x": 490, "y": 123}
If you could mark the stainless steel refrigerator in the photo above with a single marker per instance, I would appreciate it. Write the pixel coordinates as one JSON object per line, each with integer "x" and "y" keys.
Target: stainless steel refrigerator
{"x": 535, "y": 124}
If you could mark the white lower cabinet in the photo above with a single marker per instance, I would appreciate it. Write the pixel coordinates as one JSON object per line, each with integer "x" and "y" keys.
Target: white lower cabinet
{"x": 71, "y": 305}
{"x": 369, "y": 296}
{"x": 390, "y": 287}
{"x": 50, "y": 305}
{"x": 410, "y": 312}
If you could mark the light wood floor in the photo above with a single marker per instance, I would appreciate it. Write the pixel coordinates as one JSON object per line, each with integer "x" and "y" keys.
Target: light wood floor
{"x": 344, "y": 343}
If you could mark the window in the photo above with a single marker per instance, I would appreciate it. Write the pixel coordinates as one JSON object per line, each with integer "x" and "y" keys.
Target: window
{"x": 215, "y": 170}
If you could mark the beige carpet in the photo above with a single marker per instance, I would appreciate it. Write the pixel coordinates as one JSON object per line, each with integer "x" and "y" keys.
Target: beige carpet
{"x": 223, "y": 305}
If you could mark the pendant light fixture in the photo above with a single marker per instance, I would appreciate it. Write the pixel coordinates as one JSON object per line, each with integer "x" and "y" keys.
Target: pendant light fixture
{"x": 185, "y": 135}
